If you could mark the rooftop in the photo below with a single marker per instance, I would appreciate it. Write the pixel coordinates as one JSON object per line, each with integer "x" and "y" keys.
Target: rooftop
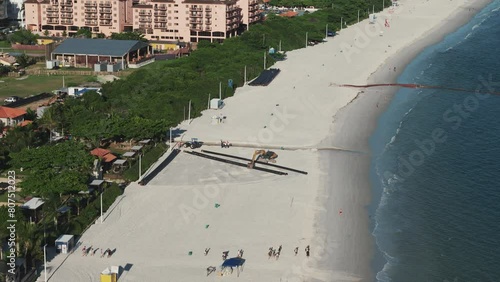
{"x": 33, "y": 204}
{"x": 102, "y": 47}
{"x": 6, "y": 112}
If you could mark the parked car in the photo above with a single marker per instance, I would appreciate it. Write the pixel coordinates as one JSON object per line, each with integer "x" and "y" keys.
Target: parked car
{"x": 11, "y": 99}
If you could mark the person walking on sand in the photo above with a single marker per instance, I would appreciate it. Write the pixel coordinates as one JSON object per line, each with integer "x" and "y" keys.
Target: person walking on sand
{"x": 83, "y": 250}
{"x": 270, "y": 253}
{"x": 279, "y": 249}
{"x": 206, "y": 251}
{"x": 296, "y": 250}
{"x": 307, "y": 251}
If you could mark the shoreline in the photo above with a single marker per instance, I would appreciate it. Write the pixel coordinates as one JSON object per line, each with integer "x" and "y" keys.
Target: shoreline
{"x": 382, "y": 100}
{"x": 161, "y": 229}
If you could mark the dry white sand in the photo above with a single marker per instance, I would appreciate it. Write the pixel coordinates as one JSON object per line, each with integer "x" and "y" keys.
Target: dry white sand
{"x": 154, "y": 227}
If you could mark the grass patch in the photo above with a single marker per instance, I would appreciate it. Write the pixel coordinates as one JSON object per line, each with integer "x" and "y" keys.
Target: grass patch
{"x": 37, "y": 84}
{"x": 132, "y": 174}
{"x": 4, "y": 44}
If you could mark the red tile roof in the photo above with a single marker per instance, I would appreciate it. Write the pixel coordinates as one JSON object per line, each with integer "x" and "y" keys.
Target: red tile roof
{"x": 6, "y": 112}
{"x": 289, "y": 14}
{"x": 99, "y": 152}
{"x": 103, "y": 154}
{"x": 24, "y": 123}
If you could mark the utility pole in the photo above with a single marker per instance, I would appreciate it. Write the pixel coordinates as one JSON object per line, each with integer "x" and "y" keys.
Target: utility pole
{"x": 245, "y": 75}
{"x": 341, "y": 22}
{"x": 383, "y": 5}
{"x": 280, "y": 47}
{"x": 189, "y": 112}
{"x": 140, "y": 172}
{"x": 326, "y": 31}
{"x": 265, "y": 59}
{"x": 220, "y": 91}
{"x": 358, "y": 16}
{"x": 374, "y": 9}
{"x": 45, "y": 262}
{"x": 103, "y": 191}
{"x": 208, "y": 104}
{"x": 306, "y": 38}
{"x": 170, "y": 138}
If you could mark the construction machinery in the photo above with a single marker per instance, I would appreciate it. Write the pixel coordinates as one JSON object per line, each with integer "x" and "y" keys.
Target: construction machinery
{"x": 193, "y": 144}
{"x": 267, "y": 156}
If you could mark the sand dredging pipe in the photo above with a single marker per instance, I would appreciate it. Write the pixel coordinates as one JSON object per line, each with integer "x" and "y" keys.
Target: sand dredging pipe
{"x": 259, "y": 162}
{"x": 234, "y": 163}
{"x": 417, "y": 86}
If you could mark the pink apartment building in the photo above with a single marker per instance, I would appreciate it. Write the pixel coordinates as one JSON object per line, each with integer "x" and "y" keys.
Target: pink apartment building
{"x": 159, "y": 20}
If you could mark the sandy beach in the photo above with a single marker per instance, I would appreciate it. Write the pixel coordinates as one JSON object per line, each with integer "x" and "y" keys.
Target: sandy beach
{"x": 161, "y": 230}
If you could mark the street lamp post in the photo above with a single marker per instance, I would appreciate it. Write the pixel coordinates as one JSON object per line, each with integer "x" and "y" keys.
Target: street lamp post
{"x": 101, "y": 206}
{"x": 306, "y": 38}
{"x": 45, "y": 261}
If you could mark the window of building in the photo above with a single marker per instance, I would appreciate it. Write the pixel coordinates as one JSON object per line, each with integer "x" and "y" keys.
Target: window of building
{"x": 176, "y": 18}
{"x": 176, "y": 24}
{"x": 175, "y": 5}
{"x": 170, "y": 5}
{"x": 169, "y": 23}
{"x": 169, "y": 18}
{"x": 175, "y": 12}
{"x": 114, "y": 15}
{"x": 114, "y": 21}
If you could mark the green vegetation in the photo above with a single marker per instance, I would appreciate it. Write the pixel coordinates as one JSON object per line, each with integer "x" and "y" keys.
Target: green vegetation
{"x": 5, "y": 44}
{"x": 83, "y": 32}
{"x": 38, "y": 84}
{"x": 132, "y": 174}
{"x": 344, "y": 5}
{"x": 128, "y": 35}
{"x": 23, "y": 36}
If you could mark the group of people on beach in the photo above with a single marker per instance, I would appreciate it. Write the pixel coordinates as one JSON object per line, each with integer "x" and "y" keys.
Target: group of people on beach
{"x": 273, "y": 253}
{"x": 91, "y": 250}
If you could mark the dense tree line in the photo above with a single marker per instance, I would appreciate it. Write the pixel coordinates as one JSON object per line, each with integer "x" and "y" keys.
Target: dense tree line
{"x": 150, "y": 100}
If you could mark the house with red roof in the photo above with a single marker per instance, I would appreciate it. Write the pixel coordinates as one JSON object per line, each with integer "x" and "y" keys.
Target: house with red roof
{"x": 11, "y": 116}
{"x": 103, "y": 154}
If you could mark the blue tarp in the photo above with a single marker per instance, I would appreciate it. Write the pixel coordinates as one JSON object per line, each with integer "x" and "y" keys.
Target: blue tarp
{"x": 233, "y": 262}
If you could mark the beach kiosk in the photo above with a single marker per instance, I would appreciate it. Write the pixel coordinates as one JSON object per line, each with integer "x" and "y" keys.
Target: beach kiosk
{"x": 110, "y": 274}
{"x": 216, "y": 104}
{"x": 65, "y": 243}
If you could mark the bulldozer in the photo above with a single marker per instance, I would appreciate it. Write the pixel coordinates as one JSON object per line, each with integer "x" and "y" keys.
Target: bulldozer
{"x": 267, "y": 156}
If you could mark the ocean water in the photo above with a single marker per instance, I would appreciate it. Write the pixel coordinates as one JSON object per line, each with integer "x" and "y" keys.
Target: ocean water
{"x": 436, "y": 164}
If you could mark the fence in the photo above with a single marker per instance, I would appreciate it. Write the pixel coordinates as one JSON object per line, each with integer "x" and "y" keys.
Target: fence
{"x": 71, "y": 72}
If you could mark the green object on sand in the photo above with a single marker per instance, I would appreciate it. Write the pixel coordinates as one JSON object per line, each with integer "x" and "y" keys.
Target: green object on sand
{"x": 190, "y": 253}
{"x": 206, "y": 226}
{"x": 217, "y": 205}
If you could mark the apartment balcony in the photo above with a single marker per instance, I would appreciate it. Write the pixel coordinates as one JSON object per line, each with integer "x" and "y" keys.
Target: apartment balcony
{"x": 208, "y": 9}
{"x": 195, "y": 9}
{"x": 233, "y": 21}
{"x": 253, "y": 8}
{"x": 90, "y": 10}
{"x": 52, "y": 15}
{"x": 160, "y": 26}
{"x": 91, "y": 16}
{"x": 90, "y": 4}
{"x": 52, "y": 9}
{"x": 145, "y": 26}
{"x": 90, "y": 22}
{"x": 145, "y": 20}
{"x": 105, "y": 17}
{"x": 161, "y": 8}
{"x": 105, "y": 4}
{"x": 196, "y": 15}
{"x": 161, "y": 20}
{"x": 208, "y": 15}
{"x": 66, "y": 21}
{"x": 53, "y": 21}
{"x": 54, "y": 3}
{"x": 195, "y": 21}
{"x": 253, "y": 2}
{"x": 67, "y": 16}
{"x": 66, "y": 4}
{"x": 208, "y": 28}
{"x": 232, "y": 8}
{"x": 232, "y": 15}
{"x": 67, "y": 10}
{"x": 195, "y": 27}
{"x": 105, "y": 11}
{"x": 144, "y": 13}
{"x": 208, "y": 22}
{"x": 105, "y": 23}
{"x": 161, "y": 13}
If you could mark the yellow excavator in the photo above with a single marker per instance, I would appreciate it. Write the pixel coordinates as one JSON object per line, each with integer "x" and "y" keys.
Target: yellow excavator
{"x": 267, "y": 156}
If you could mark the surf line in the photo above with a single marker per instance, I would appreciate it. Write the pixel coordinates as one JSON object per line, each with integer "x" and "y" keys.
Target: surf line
{"x": 415, "y": 86}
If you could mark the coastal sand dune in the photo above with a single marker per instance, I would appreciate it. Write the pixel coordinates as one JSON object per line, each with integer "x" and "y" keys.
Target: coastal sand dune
{"x": 160, "y": 230}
